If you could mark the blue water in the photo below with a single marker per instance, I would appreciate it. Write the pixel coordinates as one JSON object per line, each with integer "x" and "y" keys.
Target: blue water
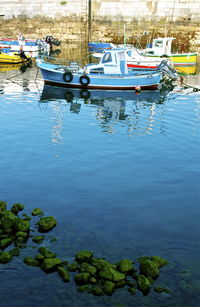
{"x": 121, "y": 174}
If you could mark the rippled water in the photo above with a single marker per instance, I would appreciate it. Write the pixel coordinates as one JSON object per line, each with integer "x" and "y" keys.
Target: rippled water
{"x": 119, "y": 172}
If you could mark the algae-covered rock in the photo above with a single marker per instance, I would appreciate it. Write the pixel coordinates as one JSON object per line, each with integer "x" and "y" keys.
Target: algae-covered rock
{"x": 93, "y": 280}
{"x": 97, "y": 290}
{"x": 143, "y": 283}
{"x": 63, "y": 273}
{"x": 132, "y": 291}
{"x": 84, "y": 288}
{"x": 148, "y": 267}
{"x": 72, "y": 267}
{"x": 108, "y": 287}
{"x": 100, "y": 263}
{"x": 5, "y": 242}
{"x": 16, "y": 208}
{"x": 125, "y": 266}
{"x": 31, "y": 262}
{"x": 84, "y": 256}
{"x": 8, "y": 220}
{"x": 3, "y": 206}
{"x": 38, "y": 239}
{"x": 21, "y": 234}
{"x": 111, "y": 274}
{"x": 39, "y": 257}
{"x": 50, "y": 264}
{"x": 159, "y": 261}
{"x": 15, "y": 251}
{"x": 5, "y": 257}
{"x": 46, "y": 252}
{"x": 85, "y": 267}
{"x": 22, "y": 225}
{"x": 37, "y": 211}
{"x": 159, "y": 289}
{"x": 45, "y": 224}
{"x": 82, "y": 278}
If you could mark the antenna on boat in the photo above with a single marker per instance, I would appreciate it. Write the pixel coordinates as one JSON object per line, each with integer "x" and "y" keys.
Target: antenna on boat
{"x": 124, "y": 36}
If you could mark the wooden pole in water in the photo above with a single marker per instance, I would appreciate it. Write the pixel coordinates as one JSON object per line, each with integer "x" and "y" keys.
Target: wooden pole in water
{"x": 89, "y": 19}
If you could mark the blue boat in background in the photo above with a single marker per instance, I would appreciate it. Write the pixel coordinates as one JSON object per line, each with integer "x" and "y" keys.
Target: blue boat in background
{"x": 99, "y": 46}
{"x": 110, "y": 73}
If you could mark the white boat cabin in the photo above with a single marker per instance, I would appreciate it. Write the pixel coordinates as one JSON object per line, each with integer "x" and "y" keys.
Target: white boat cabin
{"x": 160, "y": 46}
{"x": 113, "y": 62}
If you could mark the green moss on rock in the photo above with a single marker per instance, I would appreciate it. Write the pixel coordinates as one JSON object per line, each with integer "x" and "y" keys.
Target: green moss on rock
{"x": 72, "y": 267}
{"x": 50, "y": 264}
{"x": 63, "y": 273}
{"x": 38, "y": 239}
{"x": 31, "y": 262}
{"x": 46, "y": 252}
{"x": 82, "y": 278}
{"x": 16, "y": 208}
{"x": 5, "y": 257}
{"x": 5, "y": 242}
{"x": 108, "y": 287}
{"x": 111, "y": 274}
{"x": 37, "y": 211}
{"x": 45, "y": 224}
{"x": 83, "y": 256}
{"x": 125, "y": 266}
{"x": 143, "y": 283}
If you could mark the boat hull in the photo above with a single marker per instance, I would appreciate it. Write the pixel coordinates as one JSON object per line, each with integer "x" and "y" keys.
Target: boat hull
{"x": 143, "y": 80}
{"x": 10, "y": 59}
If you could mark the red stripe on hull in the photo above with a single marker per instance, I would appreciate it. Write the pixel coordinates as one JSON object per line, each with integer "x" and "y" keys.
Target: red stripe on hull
{"x": 141, "y": 66}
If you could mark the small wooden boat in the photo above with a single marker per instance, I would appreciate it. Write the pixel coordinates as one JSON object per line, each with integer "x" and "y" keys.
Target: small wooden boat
{"x": 162, "y": 47}
{"x": 110, "y": 73}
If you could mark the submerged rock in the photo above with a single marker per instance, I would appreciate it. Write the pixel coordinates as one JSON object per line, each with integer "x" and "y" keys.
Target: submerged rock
{"x": 37, "y": 211}
{"x": 83, "y": 256}
{"x": 143, "y": 283}
{"x": 63, "y": 273}
{"x": 16, "y": 208}
{"x": 47, "y": 253}
{"x": 45, "y": 224}
{"x": 5, "y": 257}
{"x": 111, "y": 274}
{"x": 50, "y": 264}
{"x": 31, "y": 262}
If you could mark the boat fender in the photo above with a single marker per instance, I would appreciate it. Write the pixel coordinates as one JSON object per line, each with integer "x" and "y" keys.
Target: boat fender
{"x": 164, "y": 56}
{"x": 84, "y": 80}
{"x": 67, "y": 76}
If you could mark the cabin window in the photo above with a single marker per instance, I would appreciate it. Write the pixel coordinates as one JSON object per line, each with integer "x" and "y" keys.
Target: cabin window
{"x": 107, "y": 57}
{"x": 158, "y": 43}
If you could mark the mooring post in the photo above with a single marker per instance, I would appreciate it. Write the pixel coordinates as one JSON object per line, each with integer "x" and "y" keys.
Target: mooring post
{"x": 89, "y": 19}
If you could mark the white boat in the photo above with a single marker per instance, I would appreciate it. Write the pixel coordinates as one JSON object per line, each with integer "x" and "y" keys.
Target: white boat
{"x": 135, "y": 60}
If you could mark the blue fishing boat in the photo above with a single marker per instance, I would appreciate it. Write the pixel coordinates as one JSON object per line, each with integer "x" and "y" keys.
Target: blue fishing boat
{"x": 99, "y": 46}
{"x": 110, "y": 73}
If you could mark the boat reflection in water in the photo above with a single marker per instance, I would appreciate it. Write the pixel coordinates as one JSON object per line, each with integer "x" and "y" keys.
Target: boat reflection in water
{"x": 137, "y": 111}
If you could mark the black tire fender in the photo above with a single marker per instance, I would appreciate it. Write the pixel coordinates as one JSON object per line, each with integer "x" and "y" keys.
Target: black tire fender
{"x": 84, "y": 80}
{"x": 67, "y": 76}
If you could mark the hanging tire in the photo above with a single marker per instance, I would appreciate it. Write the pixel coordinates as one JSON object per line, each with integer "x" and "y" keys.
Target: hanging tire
{"x": 164, "y": 56}
{"x": 68, "y": 77}
{"x": 84, "y": 80}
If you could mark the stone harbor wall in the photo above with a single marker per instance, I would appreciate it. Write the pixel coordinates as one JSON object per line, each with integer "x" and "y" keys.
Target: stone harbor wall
{"x": 68, "y": 20}
{"x": 115, "y": 10}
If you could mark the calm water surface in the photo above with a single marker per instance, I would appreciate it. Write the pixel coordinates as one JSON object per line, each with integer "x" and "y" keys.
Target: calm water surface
{"x": 119, "y": 172}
